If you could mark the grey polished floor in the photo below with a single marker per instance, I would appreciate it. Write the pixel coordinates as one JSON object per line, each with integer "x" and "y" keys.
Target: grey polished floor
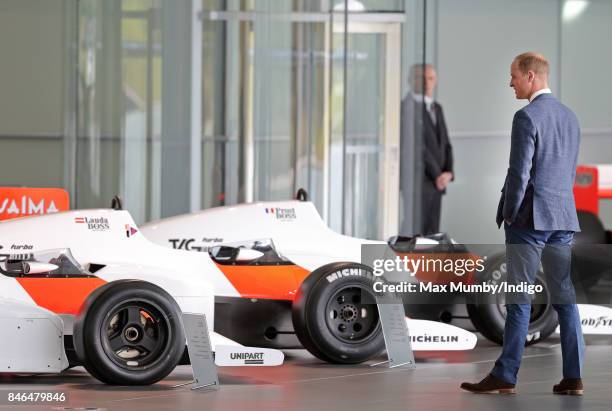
{"x": 303, "y": 383}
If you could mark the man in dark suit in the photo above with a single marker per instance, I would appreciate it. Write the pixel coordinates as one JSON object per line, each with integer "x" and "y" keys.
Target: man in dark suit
{"x": 539, "y": 215}
{"x": 422, "y": 116}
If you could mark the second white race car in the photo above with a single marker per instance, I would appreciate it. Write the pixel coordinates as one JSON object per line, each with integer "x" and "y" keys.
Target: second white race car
{"x": 283, "y": 279}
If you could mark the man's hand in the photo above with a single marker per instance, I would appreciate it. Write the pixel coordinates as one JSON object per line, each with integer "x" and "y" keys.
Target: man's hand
{"x": 508, "y": 222}
{"x": 443, "y": 180}
{"x": 448, "y": 176}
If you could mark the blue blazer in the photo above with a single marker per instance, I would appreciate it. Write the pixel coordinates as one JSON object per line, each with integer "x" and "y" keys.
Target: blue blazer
{"x": 538, "y": 190}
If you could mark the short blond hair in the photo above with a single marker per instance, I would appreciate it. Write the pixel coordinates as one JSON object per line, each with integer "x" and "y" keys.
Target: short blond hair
{"x": 531, "y": 61}
{"x": 419, "y": 68}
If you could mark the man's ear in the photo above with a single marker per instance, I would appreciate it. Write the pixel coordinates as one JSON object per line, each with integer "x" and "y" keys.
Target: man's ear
{"x": 531, "y": 75}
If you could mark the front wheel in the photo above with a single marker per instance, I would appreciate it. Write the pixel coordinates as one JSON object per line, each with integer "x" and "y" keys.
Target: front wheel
{"x": 129, "y": 333}
{"x": 488, "y": 314}
{"x": 335, "y": 316}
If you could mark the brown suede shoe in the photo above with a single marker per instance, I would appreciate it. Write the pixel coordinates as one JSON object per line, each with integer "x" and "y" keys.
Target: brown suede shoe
{"x": 489, "y": 385}
{"x": 569, "y": 386}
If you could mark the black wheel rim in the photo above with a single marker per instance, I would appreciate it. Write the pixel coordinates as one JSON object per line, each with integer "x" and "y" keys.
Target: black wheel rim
{"x": 135, "y": 334}
{"x": 539, "y": 310}
{"x": 349, "y": 318}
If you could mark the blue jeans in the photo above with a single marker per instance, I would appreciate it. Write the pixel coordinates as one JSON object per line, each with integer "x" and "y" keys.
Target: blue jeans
{"x": 525, "y": 249}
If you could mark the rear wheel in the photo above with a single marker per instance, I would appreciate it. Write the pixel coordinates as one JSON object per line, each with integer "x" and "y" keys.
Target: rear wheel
{"x": 129, "y": 333}
{"x": 488, "y": 314}
{"x": 335, "y": 316}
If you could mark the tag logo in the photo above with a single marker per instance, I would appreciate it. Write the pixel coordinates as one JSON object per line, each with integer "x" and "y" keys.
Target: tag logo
{"x": 190, "y": 244}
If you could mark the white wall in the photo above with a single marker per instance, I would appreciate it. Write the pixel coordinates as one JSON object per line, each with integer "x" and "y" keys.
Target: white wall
{"x": 586, "y": 58}
{"x": 476, "y": 42}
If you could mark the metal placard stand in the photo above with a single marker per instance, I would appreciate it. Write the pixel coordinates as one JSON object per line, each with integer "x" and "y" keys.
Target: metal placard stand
{"x": 200, "y": 352}
{"x": 397, "y": 337}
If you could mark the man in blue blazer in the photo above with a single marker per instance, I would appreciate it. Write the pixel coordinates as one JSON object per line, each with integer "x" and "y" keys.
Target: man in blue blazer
{"x": 539, "y": 216}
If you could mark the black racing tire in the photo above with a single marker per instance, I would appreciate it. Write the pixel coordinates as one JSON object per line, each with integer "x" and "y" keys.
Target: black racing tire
{"x": 129, "y": 332}
{"x": 488, "y": 313}
{"x": 332, "y": 320}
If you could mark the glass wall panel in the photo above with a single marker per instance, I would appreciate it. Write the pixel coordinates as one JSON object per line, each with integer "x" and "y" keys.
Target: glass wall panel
{"x": 99, "y": 122}
{"x": 310, "y": 102}
{"x": 264, "y": 102}
{"x": 219, "y": 148}
{"x": 363, "y": 138}
{"x": 278, "y": 91}
{"x": 271, "y": 72}
{"x": 418, "y": 40}
{"x": 34, "y": 45}
{"x": 365, "y": 147}
{"x": 118, "y": 123}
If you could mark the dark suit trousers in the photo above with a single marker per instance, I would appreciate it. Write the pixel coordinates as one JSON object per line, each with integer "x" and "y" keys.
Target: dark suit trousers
{"x": 431, "y": 208}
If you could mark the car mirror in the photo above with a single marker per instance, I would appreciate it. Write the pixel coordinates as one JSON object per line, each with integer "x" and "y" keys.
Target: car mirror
{"x": 34, "y": 267}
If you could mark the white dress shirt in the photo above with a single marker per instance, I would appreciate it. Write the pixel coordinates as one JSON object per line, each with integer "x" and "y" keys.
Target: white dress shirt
{"x": 539, "y": 92}
{"x": 419, "y": 98}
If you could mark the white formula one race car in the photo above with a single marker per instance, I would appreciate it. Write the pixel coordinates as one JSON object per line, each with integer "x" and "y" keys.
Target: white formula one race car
{"x": 87, "y": 288}
{"x": 283, "y": 279}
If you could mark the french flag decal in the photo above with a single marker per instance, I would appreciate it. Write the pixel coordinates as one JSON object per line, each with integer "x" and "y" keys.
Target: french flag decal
{"x": 269, "y": 211}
